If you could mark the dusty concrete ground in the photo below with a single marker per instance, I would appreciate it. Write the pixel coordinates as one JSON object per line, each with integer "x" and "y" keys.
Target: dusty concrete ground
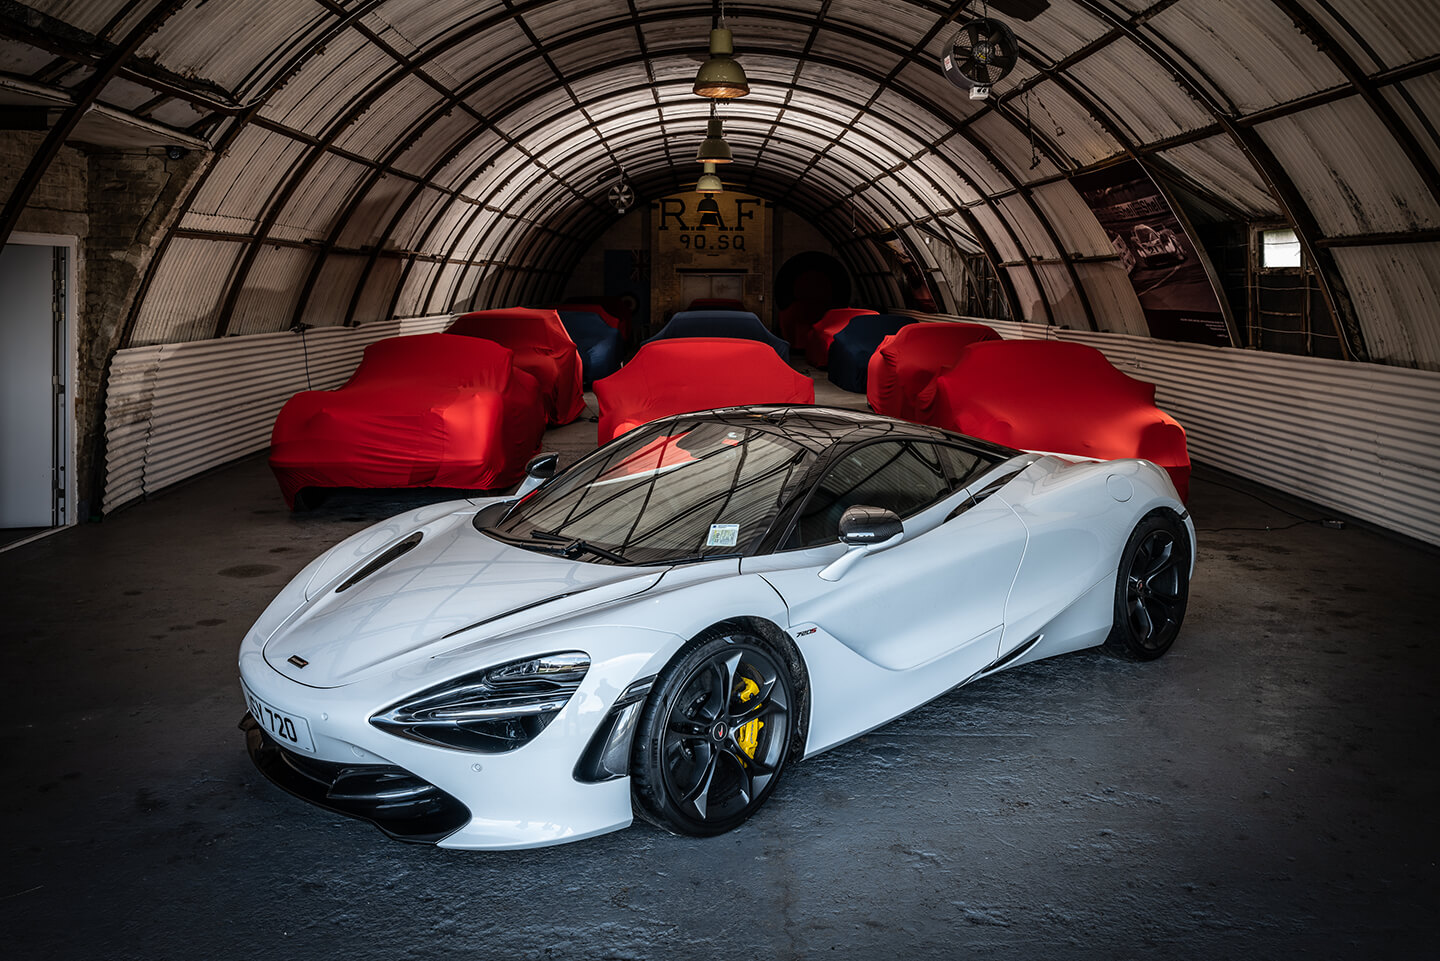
{"x": 1267, "y": 790}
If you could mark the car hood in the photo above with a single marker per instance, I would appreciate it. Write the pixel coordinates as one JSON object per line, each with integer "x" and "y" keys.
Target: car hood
{"x": 455, "y": 579}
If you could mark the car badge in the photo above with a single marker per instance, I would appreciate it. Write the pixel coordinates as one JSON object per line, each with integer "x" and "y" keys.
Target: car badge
{"x": 297, "y": 660}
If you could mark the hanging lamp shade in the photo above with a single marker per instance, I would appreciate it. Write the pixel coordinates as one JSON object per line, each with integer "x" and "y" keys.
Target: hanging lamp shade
{"x": 714, "y": 149}
{"x": 709, "y": 182}
{"x": 709, "y": 212}
{"x": 721, "y": 78}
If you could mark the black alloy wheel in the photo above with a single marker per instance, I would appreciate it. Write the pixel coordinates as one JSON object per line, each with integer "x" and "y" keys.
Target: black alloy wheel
{"x": 715, "y": 735}
{"x": 1151, "y": 589}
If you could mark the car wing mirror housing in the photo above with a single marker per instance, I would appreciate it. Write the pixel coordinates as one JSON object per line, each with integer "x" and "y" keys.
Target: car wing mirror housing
{"x": 864, "y": 530}
{"x": 541, "y": 468}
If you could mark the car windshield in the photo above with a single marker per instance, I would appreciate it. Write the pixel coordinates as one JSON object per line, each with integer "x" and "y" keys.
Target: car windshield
{"x": 677, "y": 490}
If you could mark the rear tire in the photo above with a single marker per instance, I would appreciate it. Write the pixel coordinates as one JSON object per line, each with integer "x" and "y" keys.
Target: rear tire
{"x": 715, "y": 734}
{"x": 1152, "y": 587}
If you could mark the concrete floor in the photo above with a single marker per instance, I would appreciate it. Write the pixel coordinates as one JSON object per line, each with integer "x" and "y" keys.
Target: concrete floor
{"x": 1267, "y": 790}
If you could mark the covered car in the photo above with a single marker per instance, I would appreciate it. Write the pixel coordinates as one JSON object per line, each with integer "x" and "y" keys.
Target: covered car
{"x": 1058, "y": 397}
{"x": 682, "y": 374}
{"x": 599, "y": 344}
{"x": 906, "y": 362}
{"x": 853, "y": 345}
{"x": 817, "y": 339}
{"x": 722, "y": 323}
{"x": 612, "y": 310}
{"x": 432, "y": 410}
{"x": 542, "y": 348}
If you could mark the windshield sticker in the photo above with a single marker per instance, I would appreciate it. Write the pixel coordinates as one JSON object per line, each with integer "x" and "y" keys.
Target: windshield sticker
{"x": 723, "y": 535}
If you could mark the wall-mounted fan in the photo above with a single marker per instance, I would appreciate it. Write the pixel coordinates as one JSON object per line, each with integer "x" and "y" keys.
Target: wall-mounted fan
{"x": 980, "y": 54}
{"x": 621, "y": 197}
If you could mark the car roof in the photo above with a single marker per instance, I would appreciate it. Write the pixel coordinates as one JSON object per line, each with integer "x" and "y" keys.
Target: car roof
{"x": 822, "y": 428}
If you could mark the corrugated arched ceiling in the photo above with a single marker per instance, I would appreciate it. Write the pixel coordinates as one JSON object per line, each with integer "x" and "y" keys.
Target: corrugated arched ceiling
{"x": 376, "y": 157}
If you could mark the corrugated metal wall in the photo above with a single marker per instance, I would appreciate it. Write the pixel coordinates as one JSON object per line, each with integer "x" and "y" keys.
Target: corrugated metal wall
{"x": 175, "y": 410}
{"x": 1362, "y": 439}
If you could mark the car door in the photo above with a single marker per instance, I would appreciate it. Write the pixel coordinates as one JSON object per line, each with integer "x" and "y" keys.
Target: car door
{"x": 941, "y": 590}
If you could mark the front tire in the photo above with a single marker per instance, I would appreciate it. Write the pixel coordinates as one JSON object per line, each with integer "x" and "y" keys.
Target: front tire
{"x": 715, "y": 734}
{"x": 1151, "y": 589}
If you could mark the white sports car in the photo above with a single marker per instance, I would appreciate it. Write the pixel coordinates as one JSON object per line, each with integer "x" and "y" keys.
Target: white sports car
{"x": 666, "y": 625}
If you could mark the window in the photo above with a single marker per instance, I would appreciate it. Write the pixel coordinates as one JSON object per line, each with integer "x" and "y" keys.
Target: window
{"x": 897, "y": 476}
{"x": 962, "y": 466}
{"x": 1279, "y": 248}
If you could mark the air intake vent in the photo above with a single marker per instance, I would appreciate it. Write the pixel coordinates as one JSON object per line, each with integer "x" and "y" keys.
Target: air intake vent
{"x": 386, "y": 556}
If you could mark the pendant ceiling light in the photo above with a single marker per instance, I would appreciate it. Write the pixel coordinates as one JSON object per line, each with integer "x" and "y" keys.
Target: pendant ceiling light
{"x": 709, "y": 182}
{"x": 709, "y": 212}
{"x": 714, "y": 149}
{"x": 721, "y": 78}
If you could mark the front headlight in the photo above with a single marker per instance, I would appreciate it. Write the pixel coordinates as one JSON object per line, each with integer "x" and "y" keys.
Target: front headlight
{"x": 492, "y": 711}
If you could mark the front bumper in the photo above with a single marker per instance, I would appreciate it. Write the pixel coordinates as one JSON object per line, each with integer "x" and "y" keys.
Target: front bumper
{"x": 399, "y": 803}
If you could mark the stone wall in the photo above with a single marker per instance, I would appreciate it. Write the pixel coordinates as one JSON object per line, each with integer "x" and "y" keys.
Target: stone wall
{"x": 117, "y": 203}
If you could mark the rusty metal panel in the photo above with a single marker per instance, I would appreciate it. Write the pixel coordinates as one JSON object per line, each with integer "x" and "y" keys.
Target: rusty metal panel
{"x": 417, "y": 286}
{"x": 1033, "y": 239}
{"x": 1400, "y": 31}
{"x": 326, "y": 85}
{"x": 1350, "y": 170}
{"x": 1140, "y": 93}
{"x": 1027, "y": 294}
{"x": 987, "y": 178}
{"x": 991, "y": 225}
{"x": 1252, "y": 51}
{"x": 1220, "y": 167}
{"x": 1112, "y": 298}
{"x": 186, "y": 292}
{"x": 1072, "y": 219}
{"x": 515, "y": 86}
{"x": 1065, "y": 307}
{"x": 482, "y": 146}
{"x": 176, "y": 410}
{"x": 374, "y": 211}
{"x": 248, "y": 174}
{"x": 440, "y": 139}
{"x": 499, "y": 44}
{"x": 236, "y": 44}
{"x": 1059, "y": 119}
{"x": 340, "y": 274}
{"x": 1425, "y": 92}
{"x": 270, "y": 290}
{"x": 378, "y": 290}
{"x": 388, "y": 119}
{"x": 1359, "y": 439}
{"x": 415, "y": 219}
{"x": 313, "y": 207}
{"x": 411, "y": 25}
{"x": 1396, "y": 291}
{"x": 602, "y": 83}
{"x": 88, "y": 15}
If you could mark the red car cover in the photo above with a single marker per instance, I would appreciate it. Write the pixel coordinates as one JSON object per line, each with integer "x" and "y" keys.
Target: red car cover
{"x": 433, "y": 410}
{"x": 541, "y": 346}
{"x": 682, "y": 374}
{"x": 905, "y": 363}
{"x": 817, "y": 339}
{"x": 1059, "y": 397}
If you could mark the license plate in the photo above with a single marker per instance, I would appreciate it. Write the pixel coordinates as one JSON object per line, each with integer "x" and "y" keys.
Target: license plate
{"x": 291, "y": 730}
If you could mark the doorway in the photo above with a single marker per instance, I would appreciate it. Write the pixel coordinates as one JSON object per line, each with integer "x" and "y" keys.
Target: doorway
{"x": 35, "y": 364}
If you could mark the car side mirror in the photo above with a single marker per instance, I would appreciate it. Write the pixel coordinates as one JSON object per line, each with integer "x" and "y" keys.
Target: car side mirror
{"x": 541, "y": 468}
{"x": 864, "y": 530}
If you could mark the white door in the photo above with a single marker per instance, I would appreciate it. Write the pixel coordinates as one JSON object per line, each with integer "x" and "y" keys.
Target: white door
{"x": 31, "y": 433}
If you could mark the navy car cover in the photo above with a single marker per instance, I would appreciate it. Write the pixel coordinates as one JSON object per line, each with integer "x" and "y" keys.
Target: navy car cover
{"x": 739, "y": 324}
{"x": 851, "y": 349}
{"x": 597, "y": 341}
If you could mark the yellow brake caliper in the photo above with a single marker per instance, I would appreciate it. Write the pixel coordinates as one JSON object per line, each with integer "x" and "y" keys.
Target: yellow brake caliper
{"x": 748, "y": 736}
